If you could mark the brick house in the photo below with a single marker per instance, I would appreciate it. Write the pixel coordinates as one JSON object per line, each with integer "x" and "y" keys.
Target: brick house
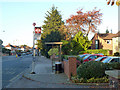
{"x": 103, "y": 41}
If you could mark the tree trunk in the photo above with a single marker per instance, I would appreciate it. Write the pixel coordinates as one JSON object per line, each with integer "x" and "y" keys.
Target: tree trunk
{"x": 88, "y": 30}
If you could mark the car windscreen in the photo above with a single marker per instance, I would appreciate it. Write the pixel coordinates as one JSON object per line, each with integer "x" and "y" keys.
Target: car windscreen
{"x": 86, "y": 57}
{"x": 115, "y": 60}
{"x": 106, "y": 60}
{"x": 98, "y": 59}
{"x": 82, "y": 55}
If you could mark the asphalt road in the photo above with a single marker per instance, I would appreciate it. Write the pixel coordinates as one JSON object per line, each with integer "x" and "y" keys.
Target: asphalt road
{"x": 12, "y": 67}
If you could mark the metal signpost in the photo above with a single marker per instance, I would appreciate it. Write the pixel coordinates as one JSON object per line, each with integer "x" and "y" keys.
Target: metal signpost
{"x": 36, "y": 36}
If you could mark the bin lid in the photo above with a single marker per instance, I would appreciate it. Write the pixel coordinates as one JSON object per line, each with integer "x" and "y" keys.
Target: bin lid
{"x": 58, "y": 62}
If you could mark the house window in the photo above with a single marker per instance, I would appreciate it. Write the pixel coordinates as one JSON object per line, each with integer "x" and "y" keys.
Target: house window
{"x": 96, "y": 44}
{"x": 108, "y": 41}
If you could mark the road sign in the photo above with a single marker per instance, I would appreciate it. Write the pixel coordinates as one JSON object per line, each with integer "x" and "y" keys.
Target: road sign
{"x": 37, "y": 36}
{"x": 37, "y": 30}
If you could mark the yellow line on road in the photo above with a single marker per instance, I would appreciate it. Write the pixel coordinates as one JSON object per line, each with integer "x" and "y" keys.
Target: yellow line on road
{"x": 17, "y": 76}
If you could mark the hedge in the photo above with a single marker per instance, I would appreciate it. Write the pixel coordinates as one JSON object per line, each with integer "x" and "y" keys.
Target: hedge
{"x": 91, "y": 51}
{"x": 66, "y": 56}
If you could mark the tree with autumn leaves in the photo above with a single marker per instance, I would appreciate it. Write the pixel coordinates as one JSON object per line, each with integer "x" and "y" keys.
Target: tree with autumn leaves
{"x": 84, "y": 22}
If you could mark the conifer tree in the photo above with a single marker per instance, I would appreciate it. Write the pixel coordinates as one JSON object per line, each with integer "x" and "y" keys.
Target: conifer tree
{"x": 107, "y": 31}
{"x": 53, "y": 22}
{"x": 51, "y": 28}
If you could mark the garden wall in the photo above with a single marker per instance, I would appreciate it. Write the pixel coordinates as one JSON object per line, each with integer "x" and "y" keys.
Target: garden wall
{"x": 70, "y": 66}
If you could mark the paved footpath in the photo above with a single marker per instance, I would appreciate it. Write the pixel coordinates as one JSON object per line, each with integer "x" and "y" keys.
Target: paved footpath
{"x": 45, "y": 78}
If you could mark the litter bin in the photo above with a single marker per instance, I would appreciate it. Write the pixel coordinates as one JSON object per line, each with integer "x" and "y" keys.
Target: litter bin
{"x": 58, "y": 67}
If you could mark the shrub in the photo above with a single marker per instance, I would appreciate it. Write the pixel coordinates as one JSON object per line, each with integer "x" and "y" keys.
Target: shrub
{"x": 91, "y": 69}
{"x": 75, "y": 79}
{"x": 53, "y": 51}
{"x": 116, "y": 54}
{"x": 7, "y": 51}
{"x": 115, "y": 65}
{"x": 65, "y": 57}
{"x": 107, "y": 66}
{"x": 98, "y": 80}
{"x": 90, "y": 51}
{"x": 111, "y": 66}
{"x": 79, "y": 60}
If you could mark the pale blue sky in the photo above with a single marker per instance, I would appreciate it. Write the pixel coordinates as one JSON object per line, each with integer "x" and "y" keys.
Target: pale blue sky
{"x": 17, "y": 17}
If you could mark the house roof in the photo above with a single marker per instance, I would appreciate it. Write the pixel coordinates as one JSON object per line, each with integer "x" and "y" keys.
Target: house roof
{"x": 118, "y": 34}
{"x": 9, "y": 45}
{"x": 107, "y": 36}
{"x": 22, "y": 46}
{"x": 13, "y": 46}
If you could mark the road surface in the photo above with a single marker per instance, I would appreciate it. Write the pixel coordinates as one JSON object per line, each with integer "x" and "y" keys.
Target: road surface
{"x": 12, "y": 67}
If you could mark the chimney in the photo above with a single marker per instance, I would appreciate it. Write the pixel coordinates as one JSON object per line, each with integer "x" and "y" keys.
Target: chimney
{"x": 111, "y": 30}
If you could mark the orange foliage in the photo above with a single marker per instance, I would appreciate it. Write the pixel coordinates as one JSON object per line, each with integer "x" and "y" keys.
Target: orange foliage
{"x": 112, "y": 2}
{"x": 85, "y": 22}
{"x": 65, "y": 32}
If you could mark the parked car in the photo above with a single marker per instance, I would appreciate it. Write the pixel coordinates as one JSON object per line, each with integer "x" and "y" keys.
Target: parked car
{"x": 111, "y": 59}
{"x": 100, "y": 58}
{"x": 23, "y": 54}
{"x": 83, "y": 55}
{"x": 91, "y": 57}
{"x": 100, "y": 53}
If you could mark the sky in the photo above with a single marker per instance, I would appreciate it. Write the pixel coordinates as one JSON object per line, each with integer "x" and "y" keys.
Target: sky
{"x": 17, "y": 16}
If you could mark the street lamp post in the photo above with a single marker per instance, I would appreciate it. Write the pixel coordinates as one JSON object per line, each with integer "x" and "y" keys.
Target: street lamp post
{"x": 33, "y": 61}
{"x": 34, "y": 40}
{"x": 1, "y": 63}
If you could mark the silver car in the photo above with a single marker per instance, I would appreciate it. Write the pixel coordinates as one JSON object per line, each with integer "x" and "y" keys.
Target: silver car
{"x": 111, "y": 59}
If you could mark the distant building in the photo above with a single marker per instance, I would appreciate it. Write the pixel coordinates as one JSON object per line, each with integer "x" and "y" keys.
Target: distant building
{"x": 22, "y": 48}
{"x": 9, "y": 46}
{"x": 12, "y": 48}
